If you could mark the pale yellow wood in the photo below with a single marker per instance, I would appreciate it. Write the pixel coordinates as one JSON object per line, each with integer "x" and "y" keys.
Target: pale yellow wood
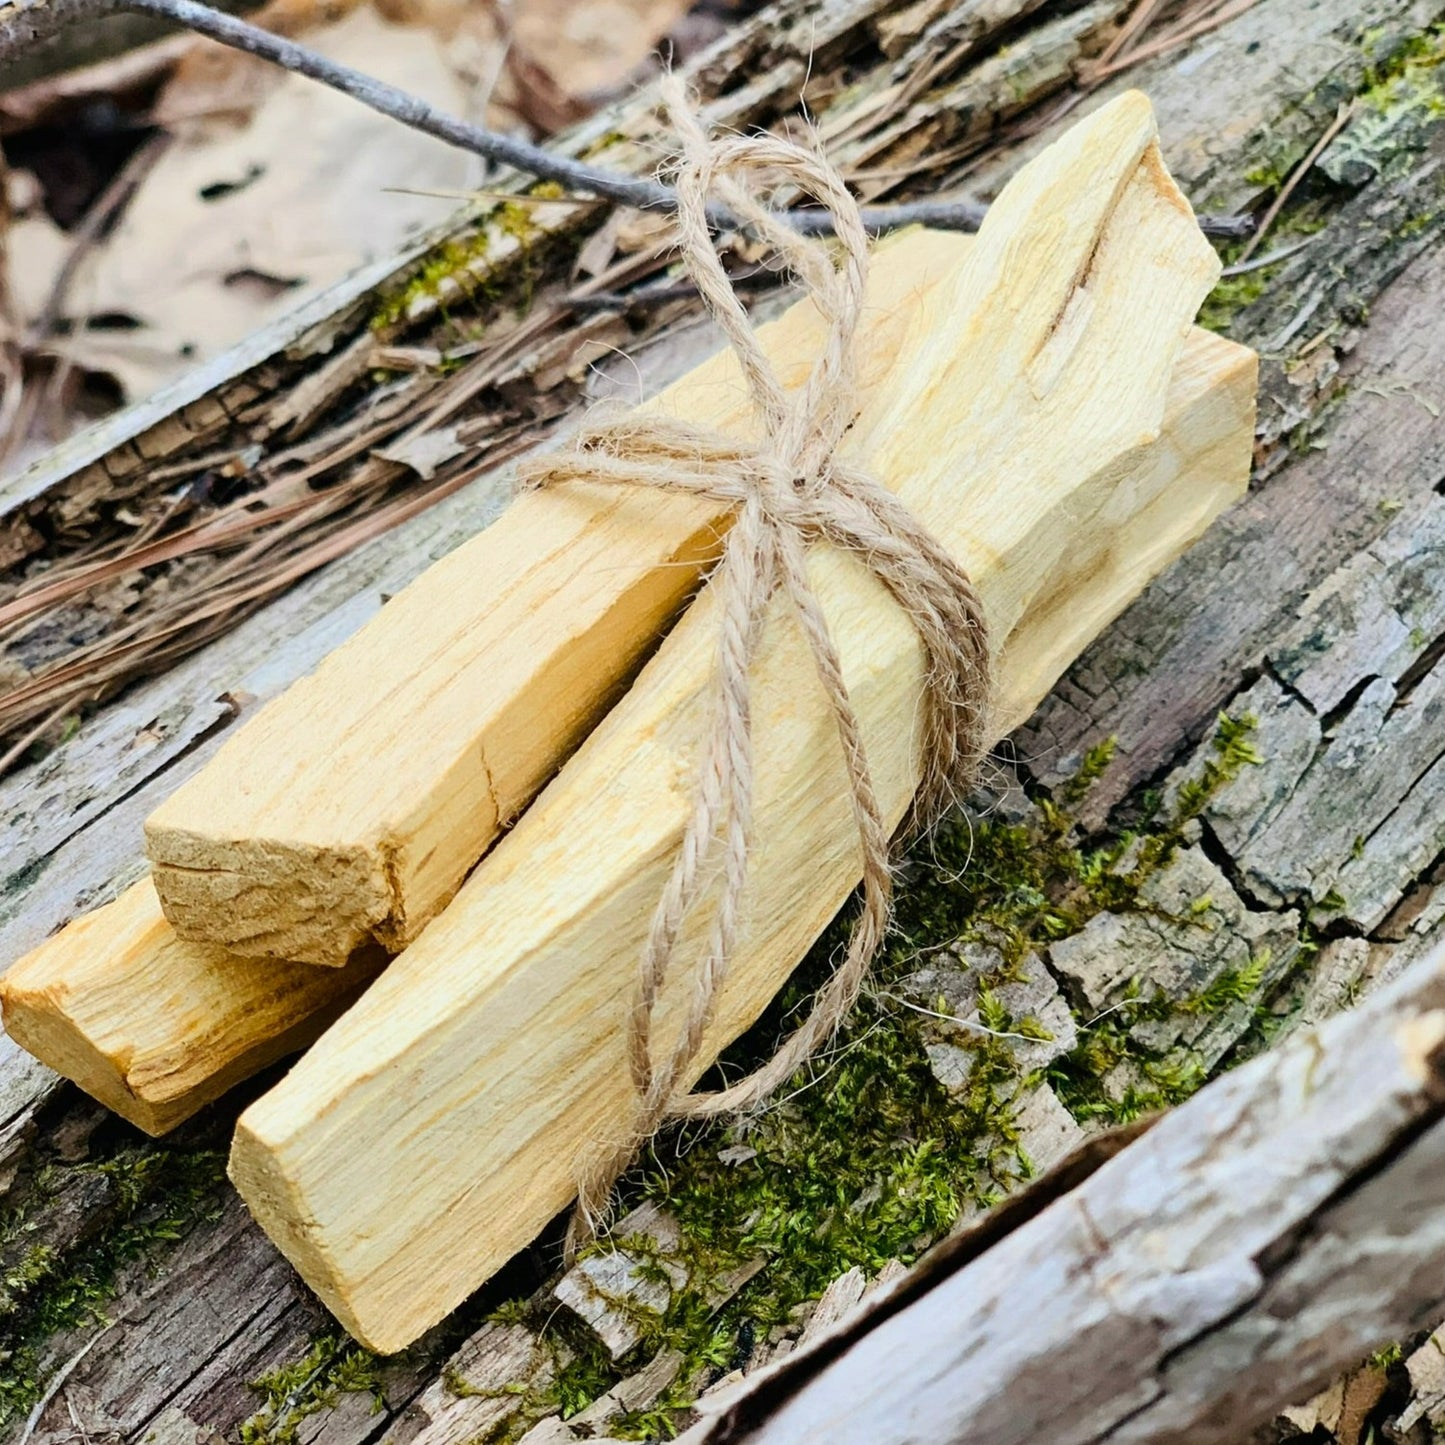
{"x": 352, "y": 806}
{"x": 444, "y": 1120}
{"x": 153, "y": 1027}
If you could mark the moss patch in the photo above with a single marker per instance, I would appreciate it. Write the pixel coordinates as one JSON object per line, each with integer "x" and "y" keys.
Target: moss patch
{"x": 160, "y": 1194}
{"x": 494, "y": 262}
{"x": 333, "y": 1366}
{"x": 865, "y": 1157}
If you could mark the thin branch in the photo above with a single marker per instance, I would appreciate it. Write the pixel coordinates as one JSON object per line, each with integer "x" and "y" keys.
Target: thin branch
{"x": 641, "y": 193}
{"x": 757, "y": 278}
{"x": 57, "y": 1380}
{"x": 1240, "y": 268}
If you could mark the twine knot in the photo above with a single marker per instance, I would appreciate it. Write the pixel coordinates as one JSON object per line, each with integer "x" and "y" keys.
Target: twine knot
{"x": 787, "y": 491}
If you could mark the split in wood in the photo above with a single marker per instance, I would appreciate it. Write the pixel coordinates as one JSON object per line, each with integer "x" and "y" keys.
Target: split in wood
{"x": 1029, "y": 419}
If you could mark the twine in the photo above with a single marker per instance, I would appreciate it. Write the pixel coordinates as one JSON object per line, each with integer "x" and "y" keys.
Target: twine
{"x": 788, "y": 490}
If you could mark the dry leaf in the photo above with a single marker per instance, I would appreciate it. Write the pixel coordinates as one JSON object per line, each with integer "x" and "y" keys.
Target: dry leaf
{"x": 35, "y": 249}
{"x": 237, "y": 223}
{"x": 52, "y": 99}
{"x": 214, "y": 80}
{"x": 588, "y": 48}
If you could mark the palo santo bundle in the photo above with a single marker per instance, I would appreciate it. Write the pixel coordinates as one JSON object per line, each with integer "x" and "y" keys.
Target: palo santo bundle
{"x": 351, "y": 807}
{"x": 452, "y": 1111}
{"x": 155, "y": 1027}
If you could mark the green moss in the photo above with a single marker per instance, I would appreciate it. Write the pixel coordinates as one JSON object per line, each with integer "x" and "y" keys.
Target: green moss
{"x": 660, "y": 1421}
{"x": 864, "y": 1157}
{"x": 1405, "y": 67}
{"x": 458, "y": 269}
{"x": 37, "y": 1265}
{"x": 605, "y": 142}
{"x": 1231, "y": 295}
{"x": 160, "y": 1194}
{"x": 494, "y": 261}
{"x": 331, "y": 1367}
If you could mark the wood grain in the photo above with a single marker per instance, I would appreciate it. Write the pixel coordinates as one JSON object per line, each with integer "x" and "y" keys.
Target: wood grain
{"x": 486, "y": 1068}
{"x": 155, "y": 1027}
{"x": 352, "y": 807}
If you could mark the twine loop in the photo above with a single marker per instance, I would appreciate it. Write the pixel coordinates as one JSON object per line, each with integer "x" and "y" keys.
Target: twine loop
{"x": 787, "y": 491}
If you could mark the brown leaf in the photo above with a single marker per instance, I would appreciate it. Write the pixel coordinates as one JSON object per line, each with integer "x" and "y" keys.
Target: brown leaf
{"x": 240, "y": 220}
{"x": 586, "y": 49}
{"x": 214, "y": 81}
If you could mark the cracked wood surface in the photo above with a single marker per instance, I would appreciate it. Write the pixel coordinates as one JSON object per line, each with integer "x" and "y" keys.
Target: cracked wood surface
{"x": 1263, "y": 1235}
{"x": 193, "y": 1323}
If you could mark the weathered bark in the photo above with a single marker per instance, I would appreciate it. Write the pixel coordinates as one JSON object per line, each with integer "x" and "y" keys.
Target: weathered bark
{"x": 1246, "y": 101}
{"x": 1269, "y": 1232}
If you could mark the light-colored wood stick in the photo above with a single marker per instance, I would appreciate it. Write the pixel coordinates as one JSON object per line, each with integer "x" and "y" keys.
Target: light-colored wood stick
{"x": 1269, "y": 1233}
{"x": 446, "y": 1118}
{"x": 353, "y": 805}
{"x": 154, "y": 1027}
{"x": 112, "y": 993}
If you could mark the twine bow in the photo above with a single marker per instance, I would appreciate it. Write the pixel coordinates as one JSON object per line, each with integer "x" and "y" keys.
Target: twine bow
{"x": 788, "y": 490}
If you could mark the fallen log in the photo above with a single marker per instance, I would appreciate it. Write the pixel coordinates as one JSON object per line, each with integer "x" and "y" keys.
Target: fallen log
{"x": 486, "y": 1069}
{"x": 155, "y": 1027}
{"x": 1270, "y": 1232}
{"x": 157, "y": 1062}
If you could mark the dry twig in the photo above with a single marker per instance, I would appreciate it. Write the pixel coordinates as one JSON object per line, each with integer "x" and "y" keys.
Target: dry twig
{"x": 640, "y": 192}
{"x": 1341, "y": 120}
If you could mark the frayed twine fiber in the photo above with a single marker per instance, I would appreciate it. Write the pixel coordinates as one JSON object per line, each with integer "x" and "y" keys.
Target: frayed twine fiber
{"x": 788, "y": 490}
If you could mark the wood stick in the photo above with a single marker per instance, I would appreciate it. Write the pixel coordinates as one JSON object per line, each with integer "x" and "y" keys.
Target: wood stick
{"x": 60, "y": 1002}
{"x": 353, "y": 805}
{"x": 155, "y": 1027}
{"x": 446, "y": 1118}
{"x": 1269, "y": 1233}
